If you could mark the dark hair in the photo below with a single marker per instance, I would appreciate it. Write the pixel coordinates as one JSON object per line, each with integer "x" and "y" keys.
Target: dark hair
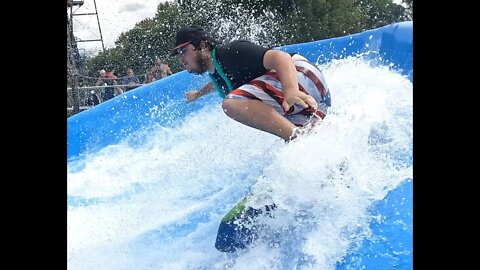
{"x": 192, "y": 35}
{"x": 210, "y": 42}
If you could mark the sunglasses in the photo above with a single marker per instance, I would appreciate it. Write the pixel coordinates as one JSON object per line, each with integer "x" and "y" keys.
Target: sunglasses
{"x": 182, "y": 50}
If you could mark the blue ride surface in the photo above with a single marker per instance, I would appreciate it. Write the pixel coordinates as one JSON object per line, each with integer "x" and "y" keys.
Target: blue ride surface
{"x": 162, "y": 103}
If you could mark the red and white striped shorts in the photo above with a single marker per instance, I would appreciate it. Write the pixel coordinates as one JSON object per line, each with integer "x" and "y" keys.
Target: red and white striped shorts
{"x": 268, "y": 89}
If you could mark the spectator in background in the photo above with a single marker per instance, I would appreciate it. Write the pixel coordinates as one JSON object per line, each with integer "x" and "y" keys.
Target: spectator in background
{"x": 101, "y": 81}
{"x": 93, "y": 99}
{"x": 160, "y": 70}
{"x": 130, "y": 80}
{"x": 149, "y": 78}
{"x": 108, "y": 79}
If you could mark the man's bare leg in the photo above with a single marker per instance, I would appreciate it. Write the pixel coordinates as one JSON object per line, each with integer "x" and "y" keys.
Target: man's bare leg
{"x": 259, "y": 115}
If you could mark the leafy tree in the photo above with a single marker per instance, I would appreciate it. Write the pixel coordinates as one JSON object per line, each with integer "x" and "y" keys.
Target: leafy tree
{"x": 409, "y": 3}
{"x": 319, "y": 19}
{"x": 409, "y": 9}
{"x": 138, "y": 47}
{"x": 380, "y": 12}
{"x": 265, "y": 22}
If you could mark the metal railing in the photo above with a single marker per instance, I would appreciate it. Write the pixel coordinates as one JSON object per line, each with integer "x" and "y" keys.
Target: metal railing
{"x": 84, "y": 92}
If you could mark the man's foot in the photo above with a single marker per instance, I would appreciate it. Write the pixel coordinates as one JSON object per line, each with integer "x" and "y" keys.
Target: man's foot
{"x": 296, "y": 132}
{"x": 305, "y": 129}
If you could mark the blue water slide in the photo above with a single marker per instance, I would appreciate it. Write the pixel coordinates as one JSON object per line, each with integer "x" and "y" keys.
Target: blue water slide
{"x": 162, "y": 103}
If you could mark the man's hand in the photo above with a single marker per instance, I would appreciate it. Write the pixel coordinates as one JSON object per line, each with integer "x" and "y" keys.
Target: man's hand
{"x": 192, "y": 95}
{"x": 304, "y": 100}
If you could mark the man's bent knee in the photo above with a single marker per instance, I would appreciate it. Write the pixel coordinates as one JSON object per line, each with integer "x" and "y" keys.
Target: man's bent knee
{"x": 227, "y": 106}
{"x": 232, "y": 108}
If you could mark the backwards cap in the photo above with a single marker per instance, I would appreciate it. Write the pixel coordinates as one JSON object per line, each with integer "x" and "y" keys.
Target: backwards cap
{"x": 188, "y": 34}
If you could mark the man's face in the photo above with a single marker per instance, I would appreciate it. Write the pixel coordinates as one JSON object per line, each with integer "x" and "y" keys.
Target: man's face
{"x": 193, "y": 60}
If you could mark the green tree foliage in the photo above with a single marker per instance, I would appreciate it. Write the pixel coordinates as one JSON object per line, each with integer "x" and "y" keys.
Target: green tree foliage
{"x": 266, "y": 22}
{"x": 409, "y": 3}
{"x": 380, "y": 12}
{"x": 283, "y": 7}
{"x": 409, "y": 9}
{"x": 237, "y": 19}
{"x": 138, "y": 47}
{"x": 320, "y": 19}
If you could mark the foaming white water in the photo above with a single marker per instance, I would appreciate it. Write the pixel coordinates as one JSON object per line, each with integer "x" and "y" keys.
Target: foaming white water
{"x": 360, "y": 151}
{"x": 158, "y": 206}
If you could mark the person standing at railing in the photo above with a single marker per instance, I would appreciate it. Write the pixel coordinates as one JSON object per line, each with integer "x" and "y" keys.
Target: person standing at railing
{"x": 149, "y": 78}
{"x": 93, "y": 99}
{"x": 160, "y": 70}
{"x": 130, "y": 80}
{"x": 108, "y": 79}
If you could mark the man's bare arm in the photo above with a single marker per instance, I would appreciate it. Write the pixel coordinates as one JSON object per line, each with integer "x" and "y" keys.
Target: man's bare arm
{"x": 193, "y": 95}
{"x": 282, "y": 62}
